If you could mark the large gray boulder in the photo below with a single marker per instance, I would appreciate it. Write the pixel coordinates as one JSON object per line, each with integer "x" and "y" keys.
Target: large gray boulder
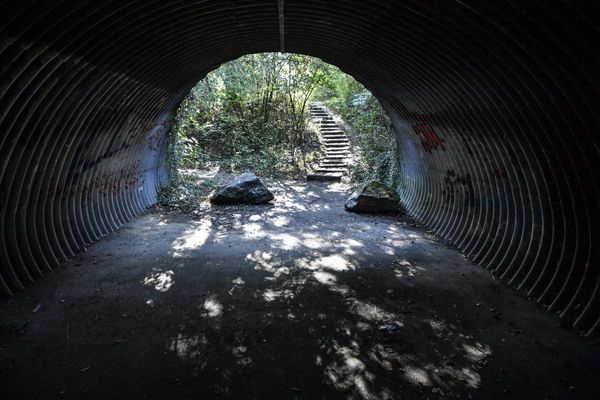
{"x": 373, "y": 197}
{"x": 246, "y": 188}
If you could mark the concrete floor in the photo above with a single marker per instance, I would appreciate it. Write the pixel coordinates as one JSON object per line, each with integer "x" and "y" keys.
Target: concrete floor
{"x": 299, "y": 300}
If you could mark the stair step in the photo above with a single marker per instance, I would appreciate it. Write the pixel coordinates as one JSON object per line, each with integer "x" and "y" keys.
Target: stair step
{"x": 336, "y": 147}
{"x": 327, "y": 161}
{"x": 330, "y": 171}
{"x": 324, "y": 177}
{"x": 331, "y": 167}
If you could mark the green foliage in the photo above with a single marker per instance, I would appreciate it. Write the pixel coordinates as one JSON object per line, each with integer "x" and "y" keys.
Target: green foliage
{"x": 250, "y": 114}
{"x": 185, "y": 193}
{"x": 371, "y": 128}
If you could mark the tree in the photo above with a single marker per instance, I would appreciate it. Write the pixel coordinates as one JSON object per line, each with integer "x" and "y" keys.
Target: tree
{"x": 251, "y": 114}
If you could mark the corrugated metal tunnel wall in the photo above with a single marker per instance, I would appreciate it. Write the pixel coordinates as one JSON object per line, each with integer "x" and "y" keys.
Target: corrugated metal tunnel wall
{"x": 496, "y": 106}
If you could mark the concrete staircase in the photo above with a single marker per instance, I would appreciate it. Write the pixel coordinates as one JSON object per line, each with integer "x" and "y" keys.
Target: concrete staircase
{"x": 335, "y": 147}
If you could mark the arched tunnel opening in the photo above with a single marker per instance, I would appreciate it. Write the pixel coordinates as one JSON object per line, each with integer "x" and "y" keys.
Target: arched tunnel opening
{"x": 494, "y": 107}
{"x": 279, "y": 115}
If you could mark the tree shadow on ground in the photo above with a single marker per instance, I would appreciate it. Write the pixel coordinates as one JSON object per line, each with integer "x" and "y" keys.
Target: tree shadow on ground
{"x": 294, "y": 300}
{"x": 305, "y": 317}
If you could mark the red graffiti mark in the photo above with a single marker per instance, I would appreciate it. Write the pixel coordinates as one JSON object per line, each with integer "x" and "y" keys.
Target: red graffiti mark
{"x": 431, "y": 141}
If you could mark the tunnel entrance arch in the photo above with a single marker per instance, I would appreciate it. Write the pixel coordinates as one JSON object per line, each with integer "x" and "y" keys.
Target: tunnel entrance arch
{"x": 273, "y": 114}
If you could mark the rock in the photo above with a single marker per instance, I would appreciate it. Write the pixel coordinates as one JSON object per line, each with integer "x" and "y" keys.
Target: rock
{"x": 246, "y": 188}
{"x": 372, "y": 197}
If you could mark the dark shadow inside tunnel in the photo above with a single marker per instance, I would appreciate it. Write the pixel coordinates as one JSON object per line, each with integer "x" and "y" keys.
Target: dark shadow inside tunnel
{"x": 494, "y": 110}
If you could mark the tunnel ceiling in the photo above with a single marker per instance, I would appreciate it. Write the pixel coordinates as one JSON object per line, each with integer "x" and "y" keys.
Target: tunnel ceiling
{"x": 495, "y": 105}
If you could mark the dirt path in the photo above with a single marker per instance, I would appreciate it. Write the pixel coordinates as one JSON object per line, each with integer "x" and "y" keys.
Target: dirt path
{"x": 299, "y": 300}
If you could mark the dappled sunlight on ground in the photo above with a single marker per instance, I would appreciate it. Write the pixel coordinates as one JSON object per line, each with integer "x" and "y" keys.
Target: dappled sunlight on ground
{"x": 192, "y": 239}
{"x": 294, "y": 300}
{"x": 338, "y": 290}
{"x": 212, "y": 308}
{"x": 159, "y": 280}
{"x": 403, "y": 269}
{"x": 335, "y": 262}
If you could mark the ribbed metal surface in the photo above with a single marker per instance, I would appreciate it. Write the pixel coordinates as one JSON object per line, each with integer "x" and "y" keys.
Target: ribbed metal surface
{"x": 495, "y": 104}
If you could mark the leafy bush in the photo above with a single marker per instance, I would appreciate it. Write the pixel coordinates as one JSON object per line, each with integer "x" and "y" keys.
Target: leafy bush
{"x": 185, "y": 193}
{"x": 250, "y": 114}
{"x": 371, "y": 128}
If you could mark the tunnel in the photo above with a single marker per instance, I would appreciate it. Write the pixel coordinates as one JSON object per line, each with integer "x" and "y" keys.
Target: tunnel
{"x": 494, "y": 104}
